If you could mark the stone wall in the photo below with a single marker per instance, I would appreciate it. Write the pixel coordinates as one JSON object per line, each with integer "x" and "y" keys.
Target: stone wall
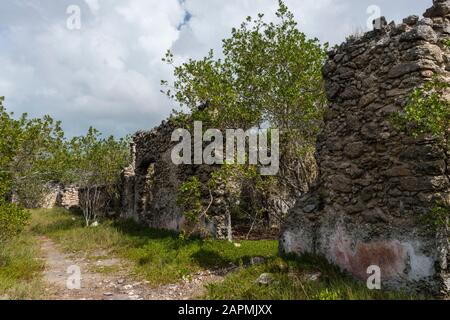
{"x": 60, "y": 196}
{"x": 68, "y": 198}
{"x": 51, "y": 198}
{"x": 375, "y": 183}
{"x": 150, "y": 188}
{"x": 73, "y": 197}
{"x": 150, "y": 184}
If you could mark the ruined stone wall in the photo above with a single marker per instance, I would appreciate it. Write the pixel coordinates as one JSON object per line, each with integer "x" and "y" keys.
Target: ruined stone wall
{"x": 51, "y": 198}
{"x": 68, "y": 198}
{"x": 375, "y": 184}
{"x": 150, "y": 188}
{"x": 73, "y": 197}
{"x": 60, "y": 196}
{"x": 150, "y": 184}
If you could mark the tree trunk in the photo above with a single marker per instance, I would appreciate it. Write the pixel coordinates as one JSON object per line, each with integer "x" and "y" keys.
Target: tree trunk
{"x": 229, "y": 227}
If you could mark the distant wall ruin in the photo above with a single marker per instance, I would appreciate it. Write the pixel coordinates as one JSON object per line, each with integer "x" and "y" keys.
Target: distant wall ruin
{"x": 73, "y": 197}
{"x": 374, "y": 183}
{"x": 68, "y": 198}
{"x": 60, "y": 196}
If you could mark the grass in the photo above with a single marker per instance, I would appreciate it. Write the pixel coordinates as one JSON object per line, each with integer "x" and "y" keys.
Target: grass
{"x": 292, "y": 281}
{"x": 20, "y": 269}
{"x": 70, "y": 232}
{"x": 105, "y": 269}
{"x": 160, "y": 257}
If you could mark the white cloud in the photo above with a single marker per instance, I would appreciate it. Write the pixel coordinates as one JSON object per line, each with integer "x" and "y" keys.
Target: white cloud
{"x": 93, "y": 5}
{"x": 107, "y": 74}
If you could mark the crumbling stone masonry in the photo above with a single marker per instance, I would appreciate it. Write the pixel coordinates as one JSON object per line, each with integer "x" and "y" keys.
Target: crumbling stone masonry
{"x": 60, "y": 196}
{"x": 150, "y": 184}
{"x": 150, "y": 188}
{"x": 69, "y": 198}
{"x": 151, "y": 165}
{"x": 375, "y": 183}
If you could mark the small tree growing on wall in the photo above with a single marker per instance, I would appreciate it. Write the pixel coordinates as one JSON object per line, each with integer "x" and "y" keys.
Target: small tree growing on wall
{"x": 428, "y": 115}
{"x": 95, "y": 167}
{"x": 270, "y": 76}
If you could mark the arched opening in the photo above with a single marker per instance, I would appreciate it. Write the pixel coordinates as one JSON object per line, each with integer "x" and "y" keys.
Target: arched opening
{"x": 145, "y": 190}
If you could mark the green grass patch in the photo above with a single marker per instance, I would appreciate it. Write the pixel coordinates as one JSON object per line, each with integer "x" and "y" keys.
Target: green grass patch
{"x": 161, "y": 257}
{"x": 20, "y": 269}
{"x": 105, "y": 269}
{"x": 70, "y": 232}
{"x": 292, "y": 280}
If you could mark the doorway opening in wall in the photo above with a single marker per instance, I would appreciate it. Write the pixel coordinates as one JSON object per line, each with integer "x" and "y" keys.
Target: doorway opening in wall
{"x": 149, "y": 186}
{"x": 145, "y": 190}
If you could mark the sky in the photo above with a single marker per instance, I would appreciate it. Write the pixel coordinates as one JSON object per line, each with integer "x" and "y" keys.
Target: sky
{"x": 106, "y": 71}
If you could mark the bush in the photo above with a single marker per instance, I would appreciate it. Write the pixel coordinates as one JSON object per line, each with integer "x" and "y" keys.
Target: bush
{"x": 12, "y": 220}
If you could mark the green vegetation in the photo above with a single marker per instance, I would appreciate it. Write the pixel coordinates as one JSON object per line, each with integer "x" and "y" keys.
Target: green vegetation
{"x": 162, "y": 257}
{"x": 308, "y": 278}
{"x": 428, "y": 115}
{"x": 95, "y": 164}
{"x": 190, "y": 201}
{"x": 270, "y": 73}
{"x": 24, "y": 153}
{"x": 12, "y": 220}
{"x": 233, "y": 179}
{"x": 270, "y": 76}
{"x": 437, "y": 218}
{"x": 159, "y": 256}
{"x": 34, "y": 154}
{"x": 31, "y": 156}
{"x": 20, "y": 269}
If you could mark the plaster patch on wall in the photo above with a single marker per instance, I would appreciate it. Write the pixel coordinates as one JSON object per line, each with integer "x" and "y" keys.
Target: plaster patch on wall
{"x": 421, "y": 266}
{"x": 391, "y": 256}
{"x": 296, "y": 242}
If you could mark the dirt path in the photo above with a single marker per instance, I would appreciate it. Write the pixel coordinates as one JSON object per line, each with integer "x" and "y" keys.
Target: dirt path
{"x": 116, "y": 284}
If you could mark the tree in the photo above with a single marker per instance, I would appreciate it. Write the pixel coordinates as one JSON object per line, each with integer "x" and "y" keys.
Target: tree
{"x": 270, "y": 73}
{"x": 12, "y": 218}
{"x": 38, "y": 160}
{"x": 270, "y": 76}
{"x": 9, "y": 132}
{"x": 95, "y": 165}
{"x": 428, "y": 114}
{"x": 32, "y": 152}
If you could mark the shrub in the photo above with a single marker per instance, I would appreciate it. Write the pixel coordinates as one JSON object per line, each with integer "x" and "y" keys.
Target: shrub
{"x": 12, "y": 220}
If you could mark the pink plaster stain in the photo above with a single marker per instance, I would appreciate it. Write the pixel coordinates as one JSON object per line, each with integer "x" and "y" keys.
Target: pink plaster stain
{"x": 390, "y": 256}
